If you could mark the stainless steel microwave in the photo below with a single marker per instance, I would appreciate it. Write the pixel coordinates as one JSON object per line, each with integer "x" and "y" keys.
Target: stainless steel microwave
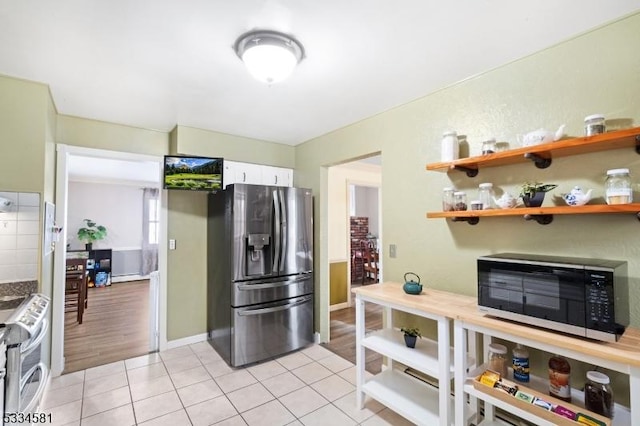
{"x": 584, "y": 297}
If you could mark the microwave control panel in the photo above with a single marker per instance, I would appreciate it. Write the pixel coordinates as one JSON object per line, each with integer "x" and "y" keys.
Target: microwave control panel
{"x": 600, "y": 301}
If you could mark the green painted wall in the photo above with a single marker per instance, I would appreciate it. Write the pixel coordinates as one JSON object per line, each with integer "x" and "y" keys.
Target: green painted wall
{"x": 597, "y": 72}
{"x": 23, "y": 117}
{"x": 562, "y": 84}
{"x": 110, "y": 136}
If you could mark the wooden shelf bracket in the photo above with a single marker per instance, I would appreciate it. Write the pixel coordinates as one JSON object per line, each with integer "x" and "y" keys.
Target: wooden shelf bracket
{"x": 637, "y": 144}
{"x": 542, "y": 219}
{"x": 469, "y": 220}
{"x": 469, "y": 171}
{"x": 540, "y": 162}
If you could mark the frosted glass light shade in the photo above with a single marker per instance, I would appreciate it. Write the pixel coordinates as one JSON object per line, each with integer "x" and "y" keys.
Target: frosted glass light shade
{"x": 269, "y": 56}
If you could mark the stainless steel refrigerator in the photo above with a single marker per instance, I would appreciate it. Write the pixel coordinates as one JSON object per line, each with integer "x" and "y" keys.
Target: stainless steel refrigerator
{"x": 259, "y": 271}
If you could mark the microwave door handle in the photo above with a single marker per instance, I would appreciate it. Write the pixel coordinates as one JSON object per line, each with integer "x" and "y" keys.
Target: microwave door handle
{"x": 276, "y": 226}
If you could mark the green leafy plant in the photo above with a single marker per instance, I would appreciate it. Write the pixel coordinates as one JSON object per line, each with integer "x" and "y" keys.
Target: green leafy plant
{"x": 91, "y": 232}
{"x": 529, "y": 189}
{"x": 409, "y": 331}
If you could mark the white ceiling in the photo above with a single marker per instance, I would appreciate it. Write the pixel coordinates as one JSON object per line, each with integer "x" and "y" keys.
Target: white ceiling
{"x": 158, "y": 63}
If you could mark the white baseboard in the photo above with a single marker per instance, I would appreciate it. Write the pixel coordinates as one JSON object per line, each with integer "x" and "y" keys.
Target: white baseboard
{"x": 187, "y": 341}
{"x": 338, "y": 306}
{"x": 316, "y": 338}
{"x": 125, "y": 278}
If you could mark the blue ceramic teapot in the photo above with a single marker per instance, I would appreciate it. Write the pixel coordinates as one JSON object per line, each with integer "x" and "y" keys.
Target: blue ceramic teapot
{"x": 412, "y": 287}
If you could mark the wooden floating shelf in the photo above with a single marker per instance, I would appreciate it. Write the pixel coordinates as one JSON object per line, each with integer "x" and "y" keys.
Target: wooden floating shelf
{"x": 542, "y": 215}
{"x": 628, "y": 138}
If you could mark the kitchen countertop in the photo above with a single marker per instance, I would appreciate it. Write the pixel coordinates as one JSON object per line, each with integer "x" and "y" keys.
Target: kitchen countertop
{"x": 465, "y": 308}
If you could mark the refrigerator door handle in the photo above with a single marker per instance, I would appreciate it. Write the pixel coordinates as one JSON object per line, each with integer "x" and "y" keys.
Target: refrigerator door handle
{"x": 270, "y": 285}
{"x": 261, "y": 311}
{"x": 277, "y": 231}
{"x": 285, "y": 233}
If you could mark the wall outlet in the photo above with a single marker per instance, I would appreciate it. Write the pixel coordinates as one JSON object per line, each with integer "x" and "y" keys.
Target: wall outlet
{"x": 392, "y": 250}
{"x": 172, "y": 244}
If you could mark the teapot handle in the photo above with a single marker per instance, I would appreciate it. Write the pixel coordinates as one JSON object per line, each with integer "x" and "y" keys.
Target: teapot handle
{"x": 411, "y": 273}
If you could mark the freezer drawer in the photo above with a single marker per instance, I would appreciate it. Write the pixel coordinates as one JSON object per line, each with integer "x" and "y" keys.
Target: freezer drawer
{"x": 264, "y": 331}
{"x": 269, "y": 290}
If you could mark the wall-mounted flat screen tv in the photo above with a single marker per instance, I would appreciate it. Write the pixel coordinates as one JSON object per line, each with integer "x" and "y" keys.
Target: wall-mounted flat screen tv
{"x": 193, "y": 173}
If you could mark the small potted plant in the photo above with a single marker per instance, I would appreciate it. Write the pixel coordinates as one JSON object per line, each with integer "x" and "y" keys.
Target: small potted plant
{"x": 410, "y": 336}
{"x": 91, "y": 232}
{"x": 532, "y": 194}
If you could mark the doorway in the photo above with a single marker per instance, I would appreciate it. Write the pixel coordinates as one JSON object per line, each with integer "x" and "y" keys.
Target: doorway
{"x": 354, "y": 196}
{"x": 108, "y": 173}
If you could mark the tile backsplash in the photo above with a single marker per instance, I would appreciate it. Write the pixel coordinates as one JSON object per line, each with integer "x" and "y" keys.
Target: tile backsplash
{"x": 19, "y": 237}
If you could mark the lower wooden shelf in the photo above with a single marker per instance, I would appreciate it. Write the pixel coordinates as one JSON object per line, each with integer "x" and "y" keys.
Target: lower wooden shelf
{"x": 409, "y": 397}
{"x": 537, "y": 386}
{"x": 535, "y": 213}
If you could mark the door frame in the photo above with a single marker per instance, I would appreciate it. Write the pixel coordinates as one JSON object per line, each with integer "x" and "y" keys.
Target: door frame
{"x": 63, "y": 152}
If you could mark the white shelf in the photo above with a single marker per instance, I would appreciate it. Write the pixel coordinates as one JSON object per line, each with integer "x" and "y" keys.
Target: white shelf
{"x": 495, "y": 422}
{"x": 424, "y": 357}
{"x": 622, "y": 415}
{"x": 409, "y": 397}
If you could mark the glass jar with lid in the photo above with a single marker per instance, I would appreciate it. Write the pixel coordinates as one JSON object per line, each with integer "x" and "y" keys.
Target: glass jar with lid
{"x": 459, "y": 201}
{"x": 450, "y": 148}
{"x": 498, "y": 358}
{"x": 489, "y": 146}
{"x": 485, "y": 195}
{"x": 598, "y": 396}
{"x": 560, "y": 378}
{"x": 618, "y": 187}
{"x": 594, "y": 124}
{"x": 447, "y": 199}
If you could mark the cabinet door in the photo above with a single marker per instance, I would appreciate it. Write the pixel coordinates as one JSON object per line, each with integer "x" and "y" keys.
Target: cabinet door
{"x": 229, "y": 175}
{"x": 277, "y": 176}
{"x": 248, "y": 173}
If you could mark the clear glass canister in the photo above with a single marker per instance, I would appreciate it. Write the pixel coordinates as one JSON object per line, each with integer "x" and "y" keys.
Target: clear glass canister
{"x": 594, "y": 124}
{"x": 618, "y": 187}
{"x": 459, "y": 201}
{"x": 450, "y": 149}
{"x": 498, "y": 358}
{"x": 489, "y": 146}
{"x": 447, "y": 199}
{"x": 598, "y": 396}
{"x": 485, "y": 195}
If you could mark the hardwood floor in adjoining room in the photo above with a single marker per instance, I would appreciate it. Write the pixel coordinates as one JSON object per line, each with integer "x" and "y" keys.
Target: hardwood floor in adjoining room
{"x": 343, "y": 334}
{"x": 115, "y": 326}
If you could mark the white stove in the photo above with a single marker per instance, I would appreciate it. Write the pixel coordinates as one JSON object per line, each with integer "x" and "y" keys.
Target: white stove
{"x": 24, "y": 329}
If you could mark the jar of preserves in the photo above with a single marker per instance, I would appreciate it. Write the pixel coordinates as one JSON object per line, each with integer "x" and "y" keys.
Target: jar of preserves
{"x": 598, "y": 396}
{"x": 559, "y": 378}
{"x": 485, "y": 195}
{"x": 520, "y": 364}
{"x": 618, "y": 187}
{"x": 459, "y": 201}
{"x": 447, "y": 199}
{"x": 450, "y": 149}
{"x": 498, "y": 358}
{"x": 489, "y": 146}
{"x": 594, "y": 124}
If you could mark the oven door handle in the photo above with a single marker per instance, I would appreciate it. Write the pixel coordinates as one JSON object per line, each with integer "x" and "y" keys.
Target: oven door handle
{"x": 35, "y": 342}
{"x": 37, "y": 396}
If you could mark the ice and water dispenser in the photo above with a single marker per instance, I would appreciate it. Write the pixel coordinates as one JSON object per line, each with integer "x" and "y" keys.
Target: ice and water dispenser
{"x": 258, "y": 256}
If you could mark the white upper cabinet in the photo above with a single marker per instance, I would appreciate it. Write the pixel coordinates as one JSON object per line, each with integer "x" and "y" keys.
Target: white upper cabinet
{"x": 257, "y": 174}
{"x": 277, "y": 176}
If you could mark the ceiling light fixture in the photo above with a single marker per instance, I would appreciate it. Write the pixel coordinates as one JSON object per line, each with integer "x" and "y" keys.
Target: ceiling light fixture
{"x": 269, "y": 56}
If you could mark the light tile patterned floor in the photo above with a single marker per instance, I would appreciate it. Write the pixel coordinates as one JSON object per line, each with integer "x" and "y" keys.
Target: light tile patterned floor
{"x": 192, "y": 385}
